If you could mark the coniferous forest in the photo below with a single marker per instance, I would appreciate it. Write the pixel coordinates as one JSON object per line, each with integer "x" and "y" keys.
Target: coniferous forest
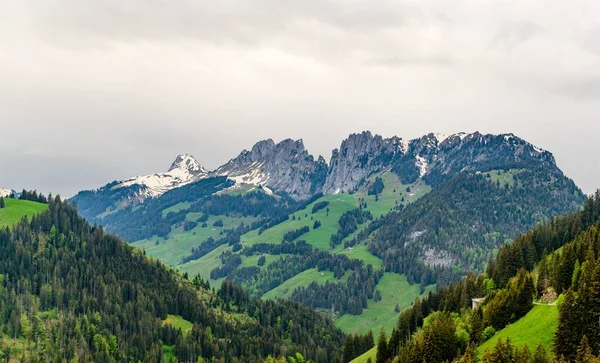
{"x": 558, "y": 259}
{"x": 71, "y": 292}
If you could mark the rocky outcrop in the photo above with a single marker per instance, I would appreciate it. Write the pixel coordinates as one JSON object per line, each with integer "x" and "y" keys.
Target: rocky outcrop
{"x": 433, "y": 157}
{"x": 359, "y": 156}
{"x": 286, "y": 167}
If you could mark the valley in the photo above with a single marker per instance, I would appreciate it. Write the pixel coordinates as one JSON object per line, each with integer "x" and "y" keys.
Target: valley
{"x": 336, "y": 251}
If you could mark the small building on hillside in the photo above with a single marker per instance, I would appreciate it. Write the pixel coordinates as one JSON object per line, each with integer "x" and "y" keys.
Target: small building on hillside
{"x": 477, "y": 302}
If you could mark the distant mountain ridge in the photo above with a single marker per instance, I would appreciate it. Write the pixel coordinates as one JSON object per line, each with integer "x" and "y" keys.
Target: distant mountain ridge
{"x": 287, "y": 167}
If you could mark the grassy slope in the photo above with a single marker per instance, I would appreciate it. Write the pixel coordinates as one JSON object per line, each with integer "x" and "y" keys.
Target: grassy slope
{"x": 539, "y": 325}
{"x": 179, "y": 243}
{"x": 178, "y": 323}
{"x": 365, "y": 357}
{"x": 394, "y": 289}
{"x": 391, "y": 196}
{"x": 361, "y": 252}
{"x": 16, "y": 209}
{"x": 304, "y": 278}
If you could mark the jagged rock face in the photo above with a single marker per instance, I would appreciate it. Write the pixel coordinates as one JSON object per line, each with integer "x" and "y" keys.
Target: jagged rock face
{"x": 284, "y": 167}
{"x": 359, "y": 156}
{"x": 433, "y": 157}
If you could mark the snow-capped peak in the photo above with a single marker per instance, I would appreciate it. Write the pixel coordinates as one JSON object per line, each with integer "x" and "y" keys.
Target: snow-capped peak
{"x": 184, "y": 170}
{"x": 187, "y": 162}
{"x": 5, "y": 192}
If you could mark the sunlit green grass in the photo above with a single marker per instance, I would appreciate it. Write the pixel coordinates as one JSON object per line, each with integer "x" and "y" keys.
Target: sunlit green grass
{"x": 538, "y": 326}
{"x": 304, "y": 278}
{"x": 394, "y": 289}
{"x": 365, "y": 357}
{"x": 179, "y": 243}
{"x": 16, "y": 209}
{"x": 178, "y": 322}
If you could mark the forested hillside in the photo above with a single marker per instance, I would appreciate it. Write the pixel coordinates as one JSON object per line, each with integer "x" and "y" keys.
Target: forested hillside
{"x": 560, "y": 257}
{"x": 71, "y": 292}
{"x": 396, "y": 214}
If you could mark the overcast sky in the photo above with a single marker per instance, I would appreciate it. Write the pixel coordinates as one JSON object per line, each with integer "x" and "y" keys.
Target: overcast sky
{"x": 93, "y": 91}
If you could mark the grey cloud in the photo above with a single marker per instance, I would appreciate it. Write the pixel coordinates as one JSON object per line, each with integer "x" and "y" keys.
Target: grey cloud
{"x": 406, "y": 61}
{"x": 100, "y": 90}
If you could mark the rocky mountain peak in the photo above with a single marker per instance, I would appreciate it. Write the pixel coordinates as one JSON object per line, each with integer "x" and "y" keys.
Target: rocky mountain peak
{"x": 432, "y": 157}
{"x": 188, "y": 163}
{"x": 285, "y": 167}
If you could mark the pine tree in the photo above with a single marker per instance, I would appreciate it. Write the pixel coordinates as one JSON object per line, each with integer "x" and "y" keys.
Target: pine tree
{"x": 470, "y": 355}
{"x": 568, "y": 334}
{"x": 584, "y": 351}
{"x": 522, "y": 354}
{"x": 349, "y": 352}
{"x": 575, "y": 277}
{"x": 476, "y": 325}
{"x": 382, "y": 348}
{"x": 540, "y": 355}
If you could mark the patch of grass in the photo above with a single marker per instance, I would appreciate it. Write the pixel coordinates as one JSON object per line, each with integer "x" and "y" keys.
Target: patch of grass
{"x": 249, "y": 261}
{"x": 178, "y": 322}
{"x": 304, "y": 278}
{"x": 16, "y": 209}
{"x": 205, "y": 265}
{"x": 168, "y": 353}
{"x": 538, "y": 326}
{"x": 505, "y": 178}
{"x": 368, "y": 354}
{"x": 361, "y": 252}
{"x": 319, "y": 238}
{"x": 179, "y": 243}
{"x": 394, "y": 289}
{"x": 176, "y": 208}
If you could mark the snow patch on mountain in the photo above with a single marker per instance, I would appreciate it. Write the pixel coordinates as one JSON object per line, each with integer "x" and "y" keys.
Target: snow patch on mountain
{"x": 422, "y": 165}
{"x": 184, "y": 170}
{"x": 5, "y": 192}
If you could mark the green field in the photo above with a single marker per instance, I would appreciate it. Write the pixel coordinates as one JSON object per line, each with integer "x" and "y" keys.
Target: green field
{"x": 176, "y": 208}
{"x": 361, "y": 252}
{"x": 205, "y": 265}
{"x": 364, "y": 358}
{"x": 539, "y": 325}
{"x": 392, "y": 195}
{"x": 16, "y": 209}
{"x": 504, "y": 177}
{"x": 304, "y": 278}
{"x": 178, "y": 322}
{"x": 394, "y": 289}
{"x": 338, "y": 205}
{"x": 179, "y": 243}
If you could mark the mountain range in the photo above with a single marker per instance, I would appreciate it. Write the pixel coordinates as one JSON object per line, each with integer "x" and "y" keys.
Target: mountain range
{"x": 384, "y": 214}
{"x": 288, "y": 168}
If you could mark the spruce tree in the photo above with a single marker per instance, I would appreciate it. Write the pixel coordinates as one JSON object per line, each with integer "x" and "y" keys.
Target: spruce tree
{"x": 382, "y": 348}
{"x": 540, "y": 355}
{"x": 568, "y": 334}
{"x": 349, "y": 352}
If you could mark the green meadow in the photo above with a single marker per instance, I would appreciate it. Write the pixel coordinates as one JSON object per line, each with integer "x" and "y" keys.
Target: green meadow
{"x": 394, "y": 289}
{"x": 16, "y": 209}
{"x": 538, "y": 326}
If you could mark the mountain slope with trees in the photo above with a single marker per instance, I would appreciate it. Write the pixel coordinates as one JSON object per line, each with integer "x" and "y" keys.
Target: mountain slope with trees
{"x": 419, "y": 208}
{"x": 71, "y": 291}
{"x": 558, "y": 256}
